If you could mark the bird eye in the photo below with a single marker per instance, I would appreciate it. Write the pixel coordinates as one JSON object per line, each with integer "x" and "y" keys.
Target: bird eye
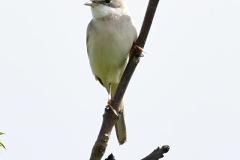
{"x": 107, "y": 1}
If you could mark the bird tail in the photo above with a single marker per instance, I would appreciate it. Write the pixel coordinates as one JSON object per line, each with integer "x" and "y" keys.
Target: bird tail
{"x": 120, "y": 127}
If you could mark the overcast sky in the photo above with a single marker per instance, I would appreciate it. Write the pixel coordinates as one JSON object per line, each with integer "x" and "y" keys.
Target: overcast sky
{"x": 184, "y": 93}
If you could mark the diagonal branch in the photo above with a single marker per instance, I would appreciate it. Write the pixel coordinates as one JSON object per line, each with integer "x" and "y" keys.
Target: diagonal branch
{"x": 110, "y": 117}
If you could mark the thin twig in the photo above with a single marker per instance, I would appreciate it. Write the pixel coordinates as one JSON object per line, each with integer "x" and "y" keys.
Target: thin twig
{"x": 157, "y": 153}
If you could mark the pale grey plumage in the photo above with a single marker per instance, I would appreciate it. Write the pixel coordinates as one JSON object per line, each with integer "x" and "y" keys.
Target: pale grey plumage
{"x": 110, "y": 35}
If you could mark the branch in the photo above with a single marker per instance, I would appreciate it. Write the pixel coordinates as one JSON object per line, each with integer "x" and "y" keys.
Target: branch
{"x": 110, "y": 116}
{"x": 111, "y": 157}
{"x": 157, "y": 153}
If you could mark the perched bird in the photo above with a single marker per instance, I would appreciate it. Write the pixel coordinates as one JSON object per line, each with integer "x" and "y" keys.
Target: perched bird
{"x": 110, "y": 36}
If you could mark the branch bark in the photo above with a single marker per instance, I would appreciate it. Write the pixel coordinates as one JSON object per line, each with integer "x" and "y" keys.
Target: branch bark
{"x": 110, "y": 116}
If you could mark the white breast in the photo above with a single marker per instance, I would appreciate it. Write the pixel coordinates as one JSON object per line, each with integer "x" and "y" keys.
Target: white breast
{"x": 109, "y": 42}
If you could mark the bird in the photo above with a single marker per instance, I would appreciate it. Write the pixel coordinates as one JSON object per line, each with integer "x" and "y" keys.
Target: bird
{"x": 110, "y": 36}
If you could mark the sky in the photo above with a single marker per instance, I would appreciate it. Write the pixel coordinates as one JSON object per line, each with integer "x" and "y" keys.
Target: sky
{"x": 185, "y": 92}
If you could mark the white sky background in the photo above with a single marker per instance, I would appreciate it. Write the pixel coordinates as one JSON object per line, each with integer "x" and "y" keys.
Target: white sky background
{"x": 184, "y": 93}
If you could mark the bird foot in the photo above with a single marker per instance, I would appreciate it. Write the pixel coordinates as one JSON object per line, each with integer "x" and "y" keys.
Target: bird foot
{"x": 110, "y": 102}
{"x": 140, "y": 50}
{"x": 109, "y": 107}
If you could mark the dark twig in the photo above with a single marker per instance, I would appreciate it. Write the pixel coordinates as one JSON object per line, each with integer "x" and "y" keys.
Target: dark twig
{"x": 110, "y": 157}
{"x": 157, "y": 153}
{"x": 109, "y": 117}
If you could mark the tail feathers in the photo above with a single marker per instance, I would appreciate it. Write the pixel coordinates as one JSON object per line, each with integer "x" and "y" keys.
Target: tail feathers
{"x": 120, "y": 127}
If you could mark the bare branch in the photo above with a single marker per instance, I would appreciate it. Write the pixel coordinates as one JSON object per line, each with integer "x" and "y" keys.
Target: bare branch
{"x": 110, "y": 117}
{"x": 157, "y": 153}
{"x": 110, "y": 157}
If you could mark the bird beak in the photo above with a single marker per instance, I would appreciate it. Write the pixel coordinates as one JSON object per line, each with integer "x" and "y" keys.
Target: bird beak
{"x": 92, "y": 3}
{"x": 89, "y": 3}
